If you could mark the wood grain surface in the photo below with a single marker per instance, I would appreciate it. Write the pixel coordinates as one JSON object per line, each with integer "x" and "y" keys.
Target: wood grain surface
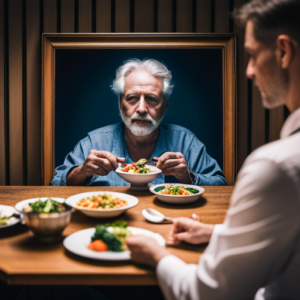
{"x": 23, "y": 260}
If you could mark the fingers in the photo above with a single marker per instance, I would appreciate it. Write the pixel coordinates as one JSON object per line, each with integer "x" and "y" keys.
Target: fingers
{"x": 182, "y": 236}
{"x": 109, "y": 160}
{"x": 195, "y": 217}
{"x": 167, "y": 156}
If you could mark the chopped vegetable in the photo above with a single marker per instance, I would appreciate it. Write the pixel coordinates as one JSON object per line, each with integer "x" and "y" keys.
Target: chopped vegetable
{"x": 48, "y": 206}
{"x": 176, "y": 190}
{"x": 103, "y": 201}
{"x": 138, "y": 167}
{"x": 114, "y": 241}
{"x": 98, "y": 245}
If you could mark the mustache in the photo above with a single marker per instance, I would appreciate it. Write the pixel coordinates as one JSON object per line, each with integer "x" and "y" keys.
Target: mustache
{"x": 138, "y": 117}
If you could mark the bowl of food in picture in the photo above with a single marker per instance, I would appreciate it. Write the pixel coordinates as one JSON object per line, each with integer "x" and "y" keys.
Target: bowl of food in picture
{"x": 8, "y": 216}
{"x": 47, "y": 217}
{"x": 177, "y": 193}
{"x": 138, "y": 174}
{"x": 106, "y": 242}
{"x": 102, "y": 204}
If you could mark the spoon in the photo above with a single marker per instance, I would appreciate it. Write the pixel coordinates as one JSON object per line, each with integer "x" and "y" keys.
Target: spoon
{"x": 155, "y": 216}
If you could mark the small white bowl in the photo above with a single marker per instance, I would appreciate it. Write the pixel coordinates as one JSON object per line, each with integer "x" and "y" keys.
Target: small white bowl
{"x": 102, "y": 213}
{"x": 139, "y": 181}
{"x": 177, "y": 199}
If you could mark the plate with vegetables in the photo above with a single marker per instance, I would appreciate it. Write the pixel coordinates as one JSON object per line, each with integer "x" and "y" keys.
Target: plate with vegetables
{"x": 8, "y": 216}
{"x": 138, "y": 174}
{"x": 177, "y": 193}
{"x": 106, "y": 242}
{"x": 102, "y": 204}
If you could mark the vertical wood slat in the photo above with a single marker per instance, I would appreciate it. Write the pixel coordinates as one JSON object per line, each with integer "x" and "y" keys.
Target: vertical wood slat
{"x": 84, "y": 15}
{"x": 50, "y": 16}
{"x": 67, "y": 20}
{"x": 276, "y": 122}
{"x": 15, "y": 61}
{"x": 203, "y": 19}
{"x": 144, "y": 16}
{"x": 184, "y": 16}
{"x": 221, "y": 16}
{"x": 243, "y": 117}
{"x": 33, "y": 92}
{"x": 164, "y": 17}
{"x": 103, "y": 16}
{"x": 258, "y": 120}
{"x": 122, "y": 15}
{"x": 2, "y": 100}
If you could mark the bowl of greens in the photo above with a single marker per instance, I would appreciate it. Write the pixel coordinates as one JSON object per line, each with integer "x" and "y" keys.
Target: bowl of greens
{"x": 46, "y": 217}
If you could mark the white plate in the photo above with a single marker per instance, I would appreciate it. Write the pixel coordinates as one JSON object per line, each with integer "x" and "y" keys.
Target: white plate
{"x": 7, "y": 211}
{"x": 178, "y": 199}
{"x": 138, "y": 180}
{"x": 78, "y": 242}
{"x": 19, "y": 206}
{"x": 102, "y": 213}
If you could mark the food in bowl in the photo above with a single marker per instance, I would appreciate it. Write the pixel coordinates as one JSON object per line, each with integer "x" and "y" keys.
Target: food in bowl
{"x": 48, "y": 206}
{"x": 6, "y": 220}
{"x": 138, "y": 167}
{"x": 176, "y": 190}
{"x": 104, "y": 240}
{"x": 102, "y": 201}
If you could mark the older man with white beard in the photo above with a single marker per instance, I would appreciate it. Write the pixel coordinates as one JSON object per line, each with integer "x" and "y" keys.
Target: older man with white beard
{"x": 143, "y": 88}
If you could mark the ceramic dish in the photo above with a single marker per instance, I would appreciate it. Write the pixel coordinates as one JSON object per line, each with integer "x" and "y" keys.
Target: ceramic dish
{"x": 6, "y": 211}
{"x": 177, "y": 199}
{"x": 102, "y": 213}
{"x": 139, "y": 181}
{"x": 77, "y": 243}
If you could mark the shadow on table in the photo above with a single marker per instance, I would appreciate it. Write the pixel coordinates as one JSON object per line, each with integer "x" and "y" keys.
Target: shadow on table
{"x": 200, "y": 202}
{"x": 13, "y": 230}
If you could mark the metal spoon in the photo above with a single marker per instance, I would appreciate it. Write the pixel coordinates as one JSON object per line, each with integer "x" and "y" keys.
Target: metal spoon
{"x": 155, "y": 216}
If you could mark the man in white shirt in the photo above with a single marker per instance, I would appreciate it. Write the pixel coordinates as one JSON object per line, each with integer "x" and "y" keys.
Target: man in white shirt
{"x": 255, "y": 253}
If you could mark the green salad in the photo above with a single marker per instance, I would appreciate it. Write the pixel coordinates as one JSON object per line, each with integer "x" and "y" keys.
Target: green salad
{"x": 48, "y": 206}
{"x": 115, "y": 241}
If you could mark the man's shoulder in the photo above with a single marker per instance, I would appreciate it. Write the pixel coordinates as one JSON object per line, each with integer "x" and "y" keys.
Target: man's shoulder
{"x": 285, "y": 153}
{"x": 106, "y": 129}
{"x": 279, "y": 151}
{"x": 177, "y": 129}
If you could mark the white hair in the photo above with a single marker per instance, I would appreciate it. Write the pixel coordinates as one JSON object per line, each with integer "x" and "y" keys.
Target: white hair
{"x": 152, "y": 66}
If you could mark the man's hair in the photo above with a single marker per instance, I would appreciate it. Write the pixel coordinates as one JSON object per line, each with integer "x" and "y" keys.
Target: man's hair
{"x": 152, "y": 66}
{"x": 271, "y": 18}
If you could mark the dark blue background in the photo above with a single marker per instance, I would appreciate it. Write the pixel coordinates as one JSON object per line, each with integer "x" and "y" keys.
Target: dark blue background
{"x": 84, "y": 100}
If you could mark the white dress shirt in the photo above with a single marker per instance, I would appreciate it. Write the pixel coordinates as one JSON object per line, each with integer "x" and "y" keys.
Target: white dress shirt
{"x": 255, "y": 253}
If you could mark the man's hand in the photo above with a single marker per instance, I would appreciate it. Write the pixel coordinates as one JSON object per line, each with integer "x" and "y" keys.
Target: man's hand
{"x": 145, "y": 250}
{"x": 174, "y": 164}
{"x": 190, "y": 231}
{"x": 98, "y": 162}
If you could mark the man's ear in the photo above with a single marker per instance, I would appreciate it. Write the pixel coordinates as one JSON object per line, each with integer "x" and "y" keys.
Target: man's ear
{"x": 288, "y": 49}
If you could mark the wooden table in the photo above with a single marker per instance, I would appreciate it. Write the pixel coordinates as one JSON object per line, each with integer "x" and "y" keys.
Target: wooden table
{"x": 24, "y": 261}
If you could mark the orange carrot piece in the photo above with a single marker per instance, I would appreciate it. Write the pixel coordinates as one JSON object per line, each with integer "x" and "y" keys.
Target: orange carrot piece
{"x": 98, "y": 246}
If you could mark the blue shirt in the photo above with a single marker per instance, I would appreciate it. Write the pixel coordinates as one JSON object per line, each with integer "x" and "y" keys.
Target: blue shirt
{"x": 172, "y": 138}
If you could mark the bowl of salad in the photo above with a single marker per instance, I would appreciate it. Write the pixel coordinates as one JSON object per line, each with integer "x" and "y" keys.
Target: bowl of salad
{"x": 177, "y": 193}
{"x": 47, "y": 217}
{"x": 138, "y": 174}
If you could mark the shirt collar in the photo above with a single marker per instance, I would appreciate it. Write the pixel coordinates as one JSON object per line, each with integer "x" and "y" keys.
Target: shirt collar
{"x": 119, "y": 147}
{"x": 291, "y": 124}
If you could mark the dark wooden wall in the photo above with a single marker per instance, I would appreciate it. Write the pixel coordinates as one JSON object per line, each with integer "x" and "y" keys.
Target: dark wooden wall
{"x": 22, "y": 23}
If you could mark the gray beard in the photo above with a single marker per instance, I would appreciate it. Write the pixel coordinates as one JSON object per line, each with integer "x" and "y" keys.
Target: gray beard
{"x": 136, "y": 129}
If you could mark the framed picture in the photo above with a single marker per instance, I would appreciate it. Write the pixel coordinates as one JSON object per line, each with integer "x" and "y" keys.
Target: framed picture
{"x": 78, "y": 70}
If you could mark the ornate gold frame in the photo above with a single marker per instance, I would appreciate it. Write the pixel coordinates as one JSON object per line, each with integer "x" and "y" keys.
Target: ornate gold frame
{"x": 227, "y": 42}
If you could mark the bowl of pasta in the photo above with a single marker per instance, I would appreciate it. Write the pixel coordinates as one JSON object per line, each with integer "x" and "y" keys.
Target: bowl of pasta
{"x": 102, "y": 204}
{"x": 177, "y": 193}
